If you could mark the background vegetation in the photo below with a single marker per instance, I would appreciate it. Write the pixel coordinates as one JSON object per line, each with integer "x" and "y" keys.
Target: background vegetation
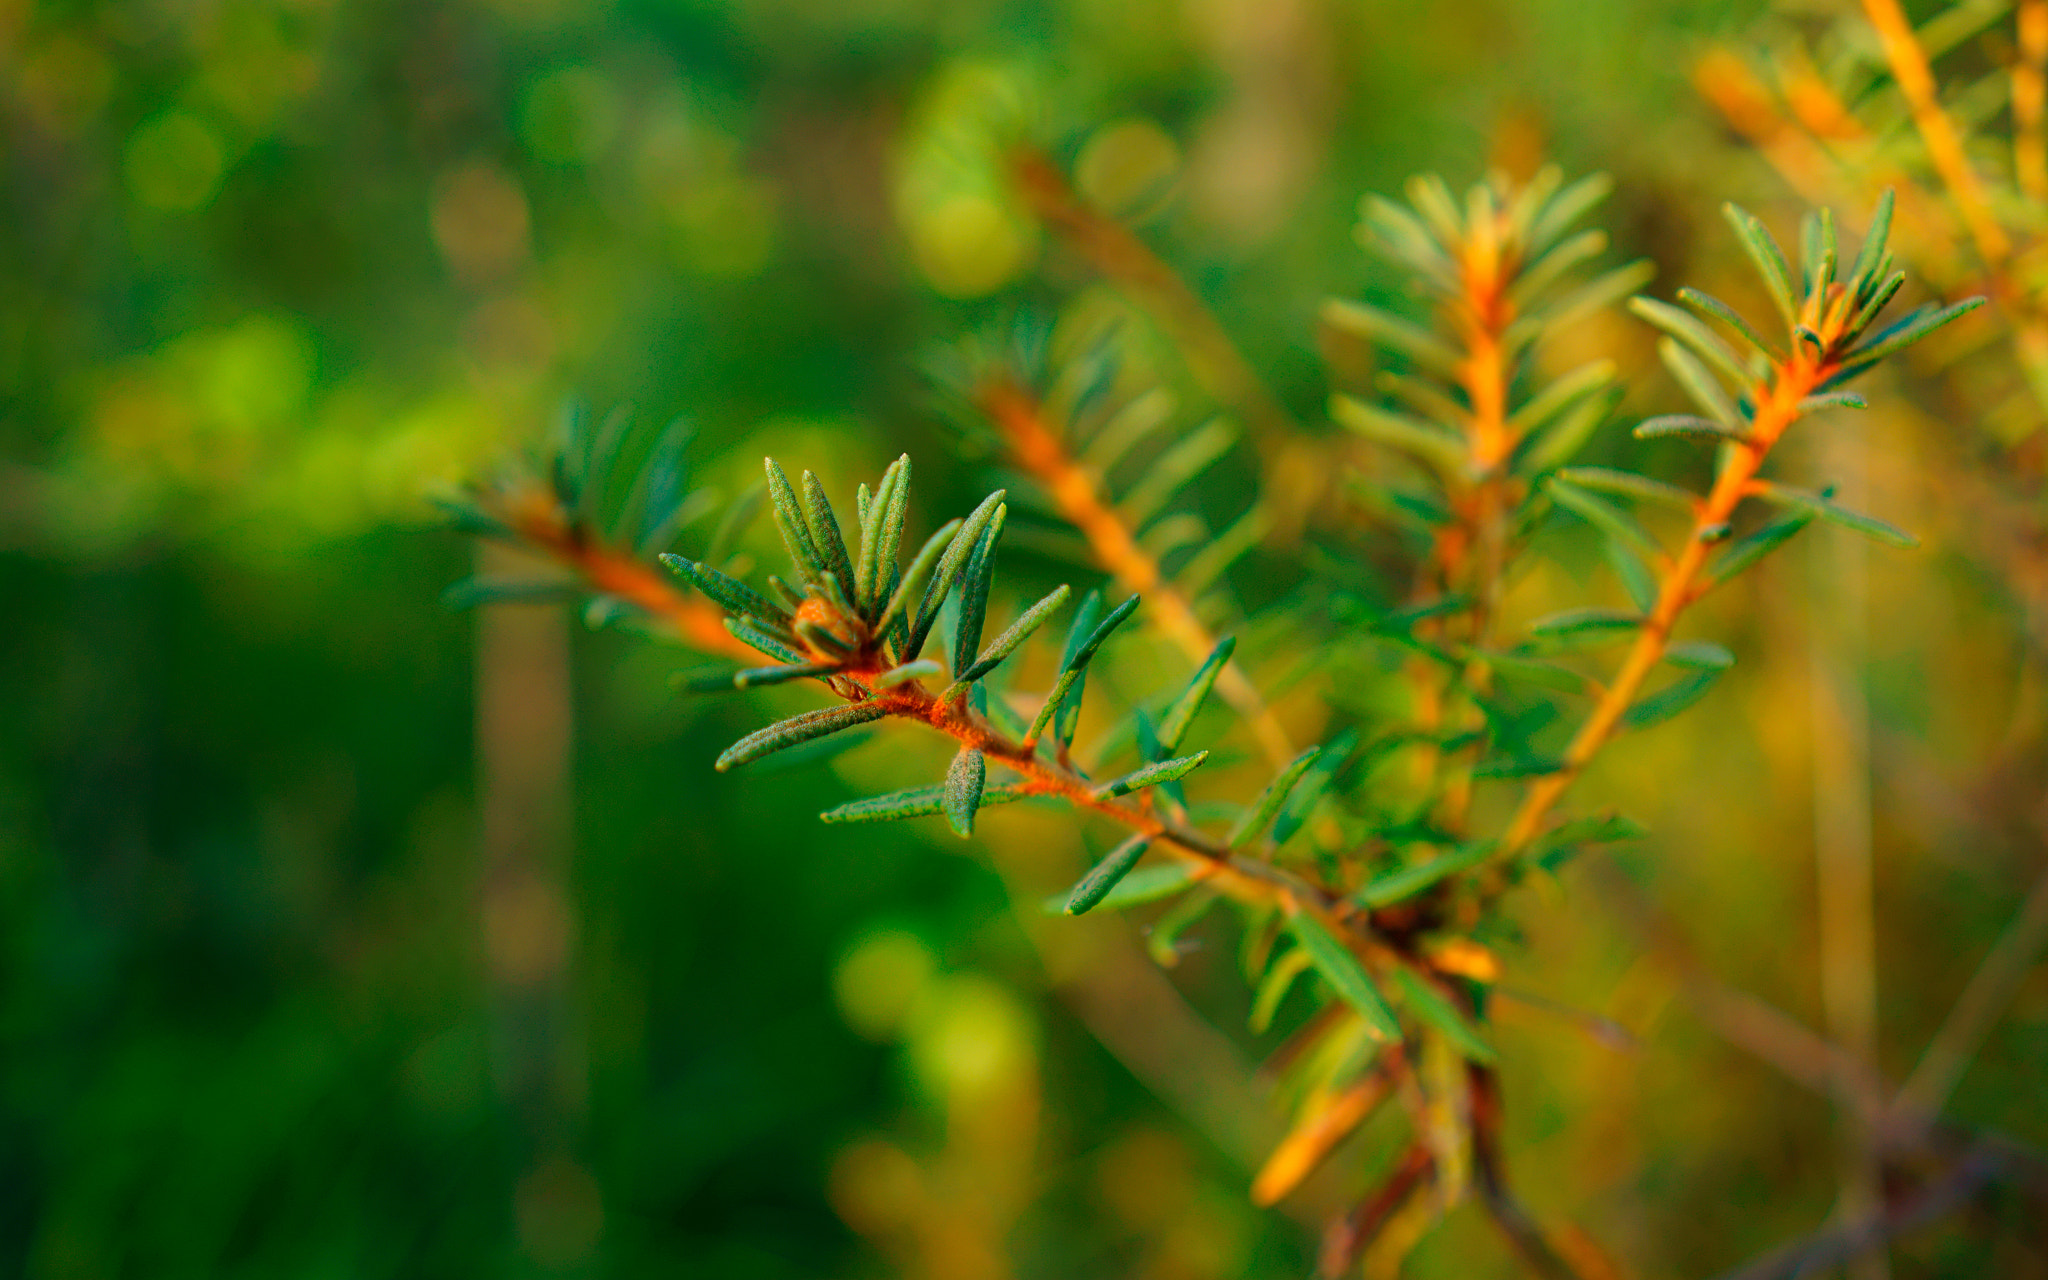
{"x": 345, "y": 934}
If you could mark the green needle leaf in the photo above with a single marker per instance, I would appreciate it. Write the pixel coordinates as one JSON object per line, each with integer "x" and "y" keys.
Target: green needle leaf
{"x": 796, "y": 729}
{"x": 1867, "y": 262}
{"x": 1630, "y": 484}
{"x": 965, "y": 779}
{"x": 1768, "y": 257}
{"x": 927, "y": 556}
{"x": 908, "y": 671}
{"x": 1409, "y": 881}
{"x": 1741, "y": 555}
{"x": 1148, "y": 884}
{"x": 1699, "y": 382}
{"x": 1431, "y": 1008}
{"x": 825, "y": 534}
{"x": 951, "y": 562}
{"x": 1151, "y": 775}
{"x": 1174, "y": 724}
{"x": 916, "y": 802}
{"x": 1671, "y": 699}
{"x": 1105, "y": 875}
{"x": 1273, "y": 988}
{"x": 975, "y": 581}
{"x": 1820, "y": 505}
{"x": 1703, "y": 341}
{"x": 753, "y": 636}
{"x": 730, "y": 593}
{"x": 1709, "y": 305}
{"x": 1686, "y": 424}
{"x": 1268, "y": 805}
{"x": 789, "y": 521}
{"x": 1017, "y": 633}
{"x": 1702, "y": 655}
{"x": 1426, "y": 441}
{"x": 1342, "y": 970}
{"x": 1915, "y": 326}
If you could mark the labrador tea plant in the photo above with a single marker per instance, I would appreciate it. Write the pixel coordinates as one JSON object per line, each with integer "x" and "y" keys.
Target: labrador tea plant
{"x": 1371, "y": 867}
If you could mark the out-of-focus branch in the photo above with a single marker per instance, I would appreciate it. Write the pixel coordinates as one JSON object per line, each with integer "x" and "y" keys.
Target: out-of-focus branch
{"x": 1077, "y": 491}
{"x": 1131, "y": 265}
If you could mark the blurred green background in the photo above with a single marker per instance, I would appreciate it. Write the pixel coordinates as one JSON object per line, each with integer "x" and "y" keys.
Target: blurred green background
{"x": 342, "y": 935}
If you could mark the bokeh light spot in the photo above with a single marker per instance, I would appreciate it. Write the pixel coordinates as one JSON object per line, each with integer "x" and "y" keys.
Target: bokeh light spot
{"x": 175, "y": 162}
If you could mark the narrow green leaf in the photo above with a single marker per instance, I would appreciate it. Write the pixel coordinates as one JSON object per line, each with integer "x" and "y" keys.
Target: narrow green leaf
{"x": 1194, "y": 453}
{"x": 1432, "y": 199}
{"x": 1553, "y": 446}
{"x": 1177, "y": 718}
{"x": 1267, "y": 807}
{"x": 1709, "y": 305}
{"x": 1105, "y": 875}
{"x": 1741, "y": 555}
{"x": 1556, "y": 846}
{"x": 975, "y": 581}
{"x": 1553, "y": 266}
{"x": 1342, "y": 970}
{"x": 1703, "y": 342}
{"x": 790, "y": 522}
{"x": 1686, "y": 424}
{"x": 1635, "y": 575}
{"x": 1016, "y": 634}
{"x": 825, "y": 533}
{"x": 1833, "y": 400}
{"x": 1395, "y": 886}
{"x": 1374, "y": 325}
{"x": 1302, "y": 803}
{"x": 1915, "y": 326}
{"x": 951, "y": 561}
{"x": 916, "y": 802}
{"x": 1147, "y": 884}
{"x": 1817, "y": 249}
{"x": 1864, "y": 274}
{"x": 1431, "y": 1008}
{"x": 1670, "y": 700}
{"x": 1631, "y": 484}
{"x": 1084, "y": 655}
{"x": 965, "y": 778}
{"x": 1579, "y": 621}
{"x": 1150, "y": 775}
{"x": 1603, "y": 516}
{"x": 1561, "y": 395}
{"x": 867, "y": 561}
{"x": 1768, "y": 258}
{"x": 1702, "y": 655}
{"x": 755, "y": 677}
{"x": 1601, "y": 292}
{"x": 728, "y": 593}
{"x": 1430, "y": 443}
{"x": 1698, "y": 382}
{"x": 927, "y": 556}
{"x": 1273, "y": 988}
{"x": 1879, "y": 299}
{"x": 803, "y": 728}
{"x": 917, "y": 670}
{"x": 1073, "y": 678}
{"x": 895, "y": 506}
{"x": 1821, "y": 505}
{"x": 754, "y": 636}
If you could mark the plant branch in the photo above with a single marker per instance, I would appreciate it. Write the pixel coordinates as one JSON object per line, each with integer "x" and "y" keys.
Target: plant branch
{"x": 1777, "y": 410}
{"x": 1078, "y": 493}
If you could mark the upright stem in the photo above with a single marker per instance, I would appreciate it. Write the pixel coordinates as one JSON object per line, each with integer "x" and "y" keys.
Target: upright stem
{"x": 1779, "y": 409}
{"x": 1078, "y": 494}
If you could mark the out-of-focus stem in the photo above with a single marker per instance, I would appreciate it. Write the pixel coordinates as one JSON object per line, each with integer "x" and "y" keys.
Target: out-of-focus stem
{"x": 1915, "y": 78}
{"x": 1842, "y": 852}
{"x": 2029, "y": 99}
{"x": 1078, "y": 493}
{"x": 697, "y": 622}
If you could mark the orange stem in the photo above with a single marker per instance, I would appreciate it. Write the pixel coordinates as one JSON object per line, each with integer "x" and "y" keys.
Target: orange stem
{"x": 1779, "y": 409}
{"x": 1078, "y": 494}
